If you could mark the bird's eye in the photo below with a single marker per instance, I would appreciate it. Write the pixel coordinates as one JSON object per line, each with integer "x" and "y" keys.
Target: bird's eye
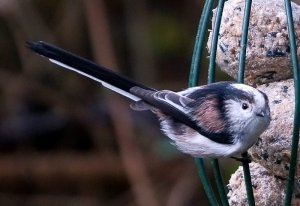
{"x": 245, "y": 106}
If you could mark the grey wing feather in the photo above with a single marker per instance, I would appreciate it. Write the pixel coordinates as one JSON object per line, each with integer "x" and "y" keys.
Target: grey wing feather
{"x": 174, "y": 99}
{"x": 140, "y": 106}
{"x": 144, "y": 94}
{"x": 159, "y": 97}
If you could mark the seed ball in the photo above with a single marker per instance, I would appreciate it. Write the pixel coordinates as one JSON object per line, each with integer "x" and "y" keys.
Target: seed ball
{"x": 268, "y": 56}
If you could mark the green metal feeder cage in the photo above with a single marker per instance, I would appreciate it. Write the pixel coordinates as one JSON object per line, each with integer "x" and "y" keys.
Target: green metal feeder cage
{"x": 200, "y": 44}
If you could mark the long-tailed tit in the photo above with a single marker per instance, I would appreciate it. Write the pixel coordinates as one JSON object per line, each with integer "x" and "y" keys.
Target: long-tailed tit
{"x": 221, "y": 119}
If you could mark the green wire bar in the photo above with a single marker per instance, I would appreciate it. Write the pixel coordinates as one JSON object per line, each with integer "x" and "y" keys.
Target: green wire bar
{"x": 193, "y": 81}
{"x": 248, "y": 182}
{"x": 205, "y": 182}
{"x": 199, "y": 43}
{"x": 242, "y": 59}
{"x": 243, "y": 46}
{"x": 194, "y": 78}
{"x": 220, "y": 184}
{"x": 211, "y": 78}
{"x": 295, "y": 138}
{"x": 214, "y": 43}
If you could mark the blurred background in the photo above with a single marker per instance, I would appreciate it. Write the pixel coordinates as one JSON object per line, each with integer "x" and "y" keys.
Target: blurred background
{"x": 65, "y": 140}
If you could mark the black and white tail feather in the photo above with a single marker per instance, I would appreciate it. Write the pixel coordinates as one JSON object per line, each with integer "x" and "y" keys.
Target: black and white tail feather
{"x": 167, "y": 101}
{"x": 207, "y": 121}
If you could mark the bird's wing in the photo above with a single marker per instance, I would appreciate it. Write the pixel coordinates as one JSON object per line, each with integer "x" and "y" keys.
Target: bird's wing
{"x": 208, "y": 111}
{"x": 167, "y": 102}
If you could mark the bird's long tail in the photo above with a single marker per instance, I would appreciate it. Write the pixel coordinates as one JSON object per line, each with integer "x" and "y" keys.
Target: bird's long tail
{"x": 141, "y": 94}
{"x": 73, "y": 62}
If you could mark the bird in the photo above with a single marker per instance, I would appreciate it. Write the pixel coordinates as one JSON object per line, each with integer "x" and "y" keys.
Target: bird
{"x": 217, "y": 120}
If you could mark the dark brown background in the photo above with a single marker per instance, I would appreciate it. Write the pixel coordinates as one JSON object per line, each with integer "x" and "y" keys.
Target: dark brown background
{"x": 65, "y": 140}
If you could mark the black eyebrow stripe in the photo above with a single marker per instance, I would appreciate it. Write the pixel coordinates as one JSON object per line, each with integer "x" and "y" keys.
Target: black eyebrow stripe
{"x": 239, "y": 95}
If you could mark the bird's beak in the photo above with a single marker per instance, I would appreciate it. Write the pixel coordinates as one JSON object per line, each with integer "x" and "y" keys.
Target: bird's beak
{"x": 260, "y": 113}
{"x": 263, "y": 112}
